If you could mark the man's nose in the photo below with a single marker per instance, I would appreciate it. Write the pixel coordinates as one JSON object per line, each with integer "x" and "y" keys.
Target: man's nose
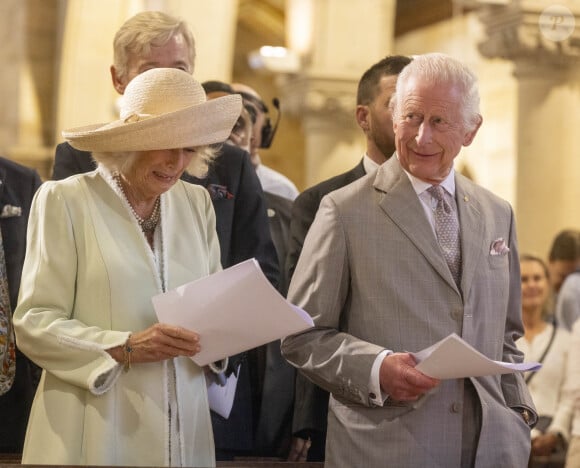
{"x": 424, "y": 133}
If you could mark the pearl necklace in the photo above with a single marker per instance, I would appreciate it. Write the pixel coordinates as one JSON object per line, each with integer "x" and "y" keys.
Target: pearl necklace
{"x": 147, "y": 225}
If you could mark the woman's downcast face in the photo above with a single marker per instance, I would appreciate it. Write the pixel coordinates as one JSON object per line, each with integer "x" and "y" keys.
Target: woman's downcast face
{"x": 155, "y": 172}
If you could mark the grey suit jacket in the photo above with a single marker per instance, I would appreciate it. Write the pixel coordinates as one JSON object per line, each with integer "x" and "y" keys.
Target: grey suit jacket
{"x": 373, "y": 277}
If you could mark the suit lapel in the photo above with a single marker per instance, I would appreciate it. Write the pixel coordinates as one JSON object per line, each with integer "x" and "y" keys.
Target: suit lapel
{"x": 358, "y": 171}
{"x": 401, "y": 204}
{"x": 472, "y": 230}
{"x": 8, "y": 196}
{"x": 2, "y": 184}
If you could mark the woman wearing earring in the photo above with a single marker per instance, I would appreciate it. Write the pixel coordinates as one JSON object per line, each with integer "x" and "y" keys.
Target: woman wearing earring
{"x": 119, "y": 388}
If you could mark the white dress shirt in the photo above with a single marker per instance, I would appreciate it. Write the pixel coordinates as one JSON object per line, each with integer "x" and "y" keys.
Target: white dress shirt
{"x": 275, "y": 182}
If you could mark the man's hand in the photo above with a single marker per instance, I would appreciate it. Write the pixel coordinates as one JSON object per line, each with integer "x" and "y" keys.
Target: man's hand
{"x": 544, "y": 444}
{"x": 401, "y": 381}
{"x": 299, "y": 449}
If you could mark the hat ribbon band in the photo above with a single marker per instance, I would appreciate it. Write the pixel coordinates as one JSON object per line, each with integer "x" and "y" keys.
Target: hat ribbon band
{"x": 137, "y": 117}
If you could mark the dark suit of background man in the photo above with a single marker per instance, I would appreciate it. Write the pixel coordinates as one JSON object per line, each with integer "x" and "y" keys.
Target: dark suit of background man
{"x": 154, "y": 39}
{"x": 17, "y": 187}
{"x": 373, "y": 116}
{"x": 397, "y": 261}
{"x": 272, "y": 377}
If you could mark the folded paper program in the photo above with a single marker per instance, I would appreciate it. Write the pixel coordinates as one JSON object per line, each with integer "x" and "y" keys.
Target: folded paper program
{"x": 453, "y": 358}
{"x": 232, "y": 311}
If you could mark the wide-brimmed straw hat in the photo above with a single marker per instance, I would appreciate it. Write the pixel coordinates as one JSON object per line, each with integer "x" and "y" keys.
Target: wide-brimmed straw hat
{"x": 162, "y": 108}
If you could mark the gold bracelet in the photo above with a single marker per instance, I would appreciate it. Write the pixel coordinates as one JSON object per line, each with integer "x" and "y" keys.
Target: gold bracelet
{"x": 127, "y": 350}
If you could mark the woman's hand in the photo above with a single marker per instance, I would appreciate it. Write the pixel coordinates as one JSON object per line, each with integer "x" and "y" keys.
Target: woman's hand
{"x": 157, "y": 343}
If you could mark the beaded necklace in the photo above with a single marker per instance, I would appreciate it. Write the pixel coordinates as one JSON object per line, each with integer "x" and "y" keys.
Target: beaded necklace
{"x": 147, "y": 225}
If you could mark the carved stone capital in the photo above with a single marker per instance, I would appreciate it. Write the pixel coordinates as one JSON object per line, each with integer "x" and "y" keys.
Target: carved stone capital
{"x": 529, "y": 31}
{"x": 319, "y": 96}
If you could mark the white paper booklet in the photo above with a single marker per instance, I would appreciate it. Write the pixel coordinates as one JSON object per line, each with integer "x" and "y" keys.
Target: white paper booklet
{"x": 221, "y": 396}
{"x": 453, "y": 358}
{"x": 233, "y": 310}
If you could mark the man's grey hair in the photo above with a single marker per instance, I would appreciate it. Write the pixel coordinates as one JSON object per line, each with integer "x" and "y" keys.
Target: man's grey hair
{"x": 440, "y": 68}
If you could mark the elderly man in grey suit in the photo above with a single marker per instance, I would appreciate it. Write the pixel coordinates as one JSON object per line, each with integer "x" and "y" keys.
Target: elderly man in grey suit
{"x": 391, "y": 266}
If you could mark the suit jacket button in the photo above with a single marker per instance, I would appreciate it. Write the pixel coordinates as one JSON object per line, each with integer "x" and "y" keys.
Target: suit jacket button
{"x": 457, "y": 314}
{"x": 456, "y": 407}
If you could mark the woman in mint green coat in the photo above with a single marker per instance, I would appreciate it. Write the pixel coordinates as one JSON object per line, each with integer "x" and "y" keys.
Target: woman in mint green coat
{"x": 119, "y": 388}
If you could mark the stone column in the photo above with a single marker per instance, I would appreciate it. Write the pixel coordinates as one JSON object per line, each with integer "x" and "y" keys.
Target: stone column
{"x": 85, "y": 90}
{"x": 325, "y": 105}
{"x": 548, "y": 162}
{"x": 547, "y": 69}
{"x": 345, "y": 41}
{"x": 214, "y": 28}
{"x": 28, "y": 50}
{"x": 11, "y": 40}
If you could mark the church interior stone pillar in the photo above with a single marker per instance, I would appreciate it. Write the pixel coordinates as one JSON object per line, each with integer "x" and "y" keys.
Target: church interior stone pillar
{"x": 28, "y": 52}
{"x": 85, "y": 91}
{"x": 547, "y": 189}
{"x": 343, "y": 42}
{"x": 214, "y": 29}
{"x": 546, "y": 58}
{"x": 325, "y": 105}
{"x": 11, "y": 13}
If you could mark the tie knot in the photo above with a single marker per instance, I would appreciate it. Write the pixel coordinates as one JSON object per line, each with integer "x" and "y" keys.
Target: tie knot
{"x": 437, "y": 192}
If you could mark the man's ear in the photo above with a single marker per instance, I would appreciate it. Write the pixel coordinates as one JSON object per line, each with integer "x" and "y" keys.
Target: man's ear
{"x": 362, "y": 117}
{"x": 470, "y": 135}
{"x": 118, "y": 83}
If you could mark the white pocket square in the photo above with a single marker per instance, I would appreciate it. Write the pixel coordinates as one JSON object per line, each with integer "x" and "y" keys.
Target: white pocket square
{"x": 499, "y": 247}
{"x": 10, "y": 211}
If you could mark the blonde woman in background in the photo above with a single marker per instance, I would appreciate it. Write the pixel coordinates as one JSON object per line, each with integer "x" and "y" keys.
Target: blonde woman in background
{"x": 546, "y": 342}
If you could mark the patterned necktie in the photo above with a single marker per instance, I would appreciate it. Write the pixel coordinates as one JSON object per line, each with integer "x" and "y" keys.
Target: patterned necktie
{"x": 7, "y": 341}
{"x": 447, "y": 230}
